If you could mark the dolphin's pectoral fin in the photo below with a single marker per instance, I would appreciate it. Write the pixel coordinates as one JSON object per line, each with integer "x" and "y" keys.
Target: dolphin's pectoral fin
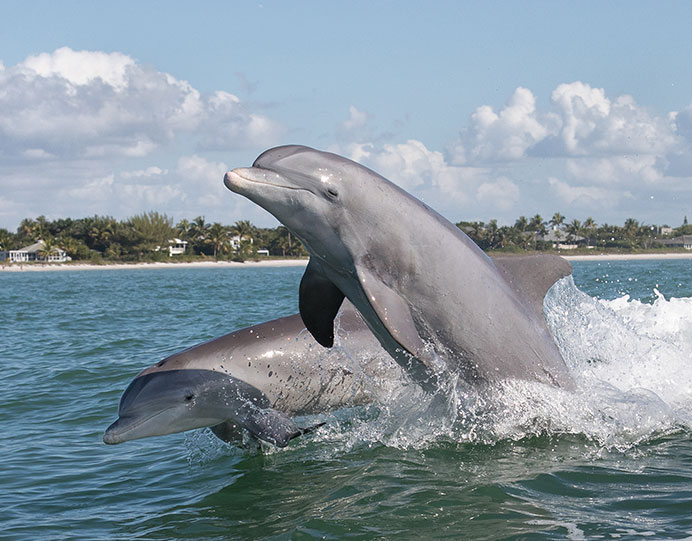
{"x": 228, "y": 432}
{"x": 532, "y": 276}
{"x": 319, "y": 302}
{"x": 394, "y": 313}
{"x": 275, "y": 427}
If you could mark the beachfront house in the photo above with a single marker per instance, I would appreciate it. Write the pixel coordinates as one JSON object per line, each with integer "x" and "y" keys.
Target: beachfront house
{"x": 176, "y": 247}
{"x": 36, "y": 252}
{"x": 684, "y": 241}
{"x": 235, "y": 242}
{"x": 561, "y": 240}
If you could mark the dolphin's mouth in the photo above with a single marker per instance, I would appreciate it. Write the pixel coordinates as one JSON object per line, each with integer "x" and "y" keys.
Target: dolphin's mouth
{"x": 234, "y": 181}
{"x": 116, "y": 434}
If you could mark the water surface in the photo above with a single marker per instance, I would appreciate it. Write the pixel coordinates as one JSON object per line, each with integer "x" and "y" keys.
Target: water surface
{"x": 613, "y": 460}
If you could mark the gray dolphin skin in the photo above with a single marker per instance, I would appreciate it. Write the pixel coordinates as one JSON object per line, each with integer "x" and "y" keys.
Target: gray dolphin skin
{"x": 256, "y": 378}
{"x": 432, "y": 298}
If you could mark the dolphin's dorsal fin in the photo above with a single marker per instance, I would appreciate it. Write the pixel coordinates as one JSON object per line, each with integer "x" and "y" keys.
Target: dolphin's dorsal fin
{"x": 319, "y": 301}
{"x": 532, "y": 276}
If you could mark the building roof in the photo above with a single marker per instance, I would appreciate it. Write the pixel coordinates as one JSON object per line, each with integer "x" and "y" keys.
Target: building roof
{"x": 37, "y": 247}
{"x": 551, "y": 236}
{"x": 684, "y": 239}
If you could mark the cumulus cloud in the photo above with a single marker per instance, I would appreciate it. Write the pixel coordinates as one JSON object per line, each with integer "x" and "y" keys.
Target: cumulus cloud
{"x": 502, "y": 194}
{"x": 356, "y": 119}
{"x": 453, "y": 190}
{"x": 592, "y": 124}
{"x": 84, "y": 104}
{"x": 73, "y": 122}
{"x": 582, "y": 121}
{"x": 504, "y": 135}
{"x": 587, "y": 197}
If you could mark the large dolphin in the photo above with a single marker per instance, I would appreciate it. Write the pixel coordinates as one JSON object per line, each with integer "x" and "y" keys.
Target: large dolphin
{"x": 434, "y": 300}
{"x": 256, "y": 378}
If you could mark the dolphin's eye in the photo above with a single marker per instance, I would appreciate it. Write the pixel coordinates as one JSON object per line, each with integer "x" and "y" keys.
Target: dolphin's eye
{"x": 189, "y": 396}
{"x": 331, "y": 192}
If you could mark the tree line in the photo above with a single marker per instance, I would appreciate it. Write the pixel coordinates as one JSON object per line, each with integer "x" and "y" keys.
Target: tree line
{"x": 145, "y": 237}
{"x": 535, "y": 233}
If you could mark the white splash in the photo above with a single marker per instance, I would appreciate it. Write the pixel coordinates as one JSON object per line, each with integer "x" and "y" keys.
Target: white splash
{"x": 632, "y": 362}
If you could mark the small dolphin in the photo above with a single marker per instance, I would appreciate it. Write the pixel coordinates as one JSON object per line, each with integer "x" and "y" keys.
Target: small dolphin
{"x": 255, "y": 378}
{"x": 433, "y": 299}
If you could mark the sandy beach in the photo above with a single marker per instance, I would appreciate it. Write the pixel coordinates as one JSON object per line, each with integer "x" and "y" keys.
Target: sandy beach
{"x": 38, "y": 267}
{"x": 626, "y": 257}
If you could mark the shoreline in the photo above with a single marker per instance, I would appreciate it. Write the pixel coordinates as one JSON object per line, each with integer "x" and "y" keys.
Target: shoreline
{"x": 48, "y": 267}
{"x": 43, "y": 267}
{"x": 626, "y": 257}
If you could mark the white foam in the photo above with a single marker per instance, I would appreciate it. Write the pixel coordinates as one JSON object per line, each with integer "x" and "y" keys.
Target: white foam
{"x": 632, "y": 362}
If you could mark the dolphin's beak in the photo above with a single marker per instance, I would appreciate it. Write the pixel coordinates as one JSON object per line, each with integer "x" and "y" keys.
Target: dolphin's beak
{"x": 232, "y": 179}
{"x": 113, "y": 433}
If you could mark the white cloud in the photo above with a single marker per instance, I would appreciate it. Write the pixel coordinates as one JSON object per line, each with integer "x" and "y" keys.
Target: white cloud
{"x": 427, "y": 175}
{"x": 82, "y": 67}
{"x": 502, "y": 194}
{"x": 582, "y": 121}
{"x": 593, "y": 124}
{"x": 76, "y": 104}
{"x": 501, "y": 136}
{"x": 587, "y": 197}
{"x": 627, "y": 170}
{"x": 140, "y": 173}
{"x": 356, "y": 119}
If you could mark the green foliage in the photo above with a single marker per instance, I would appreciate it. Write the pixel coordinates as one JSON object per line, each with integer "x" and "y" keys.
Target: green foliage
{"x": 144, "y": 237}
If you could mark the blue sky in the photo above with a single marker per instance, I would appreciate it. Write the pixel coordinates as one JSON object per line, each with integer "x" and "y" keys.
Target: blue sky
{"x": 484, "y": 110}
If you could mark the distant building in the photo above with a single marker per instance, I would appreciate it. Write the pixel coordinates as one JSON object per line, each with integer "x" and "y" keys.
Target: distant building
{"x": 561, "y": 241}
{"x": 176, "y": 247}
{"x": 685, "y": 241}
{"x": 34, "y": 251}
{"x": 235, "y": 242}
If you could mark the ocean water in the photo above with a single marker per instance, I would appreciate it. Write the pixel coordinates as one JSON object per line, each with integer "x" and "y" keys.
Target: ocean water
{"x": 612, "y": 460}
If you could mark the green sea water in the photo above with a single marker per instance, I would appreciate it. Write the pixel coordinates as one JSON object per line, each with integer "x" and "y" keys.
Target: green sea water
{"x": 611, "y": 461}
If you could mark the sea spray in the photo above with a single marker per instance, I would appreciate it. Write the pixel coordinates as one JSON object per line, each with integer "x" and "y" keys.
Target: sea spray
{"x": 630, "y": 360}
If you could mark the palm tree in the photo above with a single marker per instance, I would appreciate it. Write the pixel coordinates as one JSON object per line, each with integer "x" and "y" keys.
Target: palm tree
{"x": 41, "y": 229}
{"x": 199, "y": 228}
{"x": 184, "y": 229}
{"x": 574, "y": 229}
{"x": 283, "y": 240}
{"x": 538, "y": 225}
{"x": 28, "y": 229}
{"x": 6, "y": 239}
{"x": 217, "y": 237}
{"x": 631, "y": 228}
{"x": 198, "y": 233}
{"x": 48, "y": 248}
{"x": 244, "y": 229}
{"x": 521, "y": 224}
{"x": 589, "y": 223}
{"x": 491, "y": 233}
{"x": 557, "y": 220}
